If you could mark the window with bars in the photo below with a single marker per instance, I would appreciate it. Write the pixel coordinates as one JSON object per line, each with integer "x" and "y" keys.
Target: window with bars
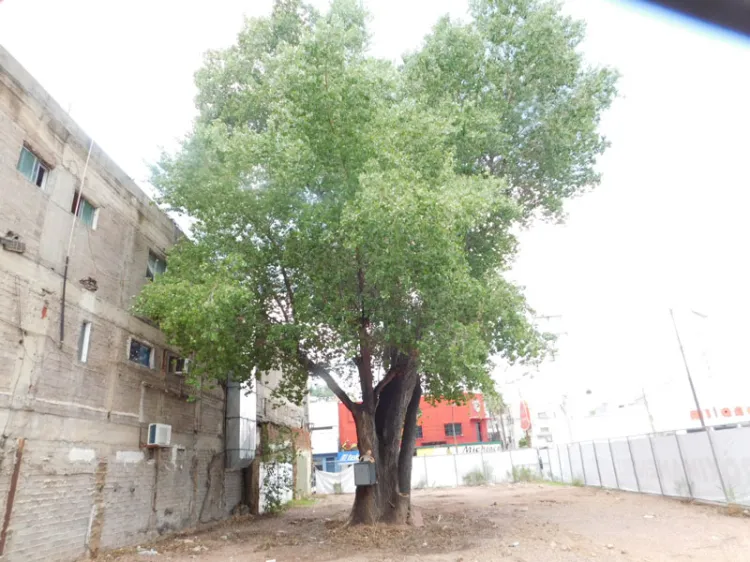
{"x": 419, "y": 432}
{"x": 32, "y": 168}
{"x": 453, "y": 430}
{"x": 84, "y": 210}
{"x": 155, "y": 266}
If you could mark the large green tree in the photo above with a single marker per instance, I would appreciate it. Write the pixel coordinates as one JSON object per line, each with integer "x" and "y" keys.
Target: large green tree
{"x": 349, "y": 211}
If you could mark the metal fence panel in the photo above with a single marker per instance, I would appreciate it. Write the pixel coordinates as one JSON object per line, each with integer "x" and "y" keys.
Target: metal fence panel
{"x": 590, "y": 464}
{"x": 624, "y": 465}
{"x": 471, "y": 469}
{"x": 669, "y": 462}
{"x": 678, "y": 465}
{"x": 562, "y": 451}
{"x": 643, "y": 460}
{"x": 551, "y": 464}
{"x": 733, "y": 452}
{"x": 499, "y": 463}
{"x": 606, "y": 467}
{"x": 441, "y": 472}
{"x": 419, "y": 473}
{"x": 527, "y": 459}
{"x": 576, "y": 464}
{"x": 700, "y": 465}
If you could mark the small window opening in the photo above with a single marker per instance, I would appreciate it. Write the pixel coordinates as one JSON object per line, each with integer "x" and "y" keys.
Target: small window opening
{"x": 32, "y": 167}
{"x": 83, "y": 342}
{"x": 84, "y": 210}
{"x": 156, "y": 265}
{"x": 140, "y": 353}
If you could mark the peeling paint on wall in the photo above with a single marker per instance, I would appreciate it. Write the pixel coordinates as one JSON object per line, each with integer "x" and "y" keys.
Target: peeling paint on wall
{"x": 81, "y": 455}
{"x": 129, "y": 456}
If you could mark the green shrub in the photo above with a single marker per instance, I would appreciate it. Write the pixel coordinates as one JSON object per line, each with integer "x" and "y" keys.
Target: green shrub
{"x": 479, "y": 476}
{"x": 524, "y": 474}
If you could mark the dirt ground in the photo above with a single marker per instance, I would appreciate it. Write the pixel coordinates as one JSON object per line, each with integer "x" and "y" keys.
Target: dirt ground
{"x": 520, "y": 523}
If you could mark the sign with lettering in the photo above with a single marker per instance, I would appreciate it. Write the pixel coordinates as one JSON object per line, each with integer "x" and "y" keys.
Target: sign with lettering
{"x": 708, "y": 413}
{"x": 495, "y": 447}
{"x": 459, "y": 450}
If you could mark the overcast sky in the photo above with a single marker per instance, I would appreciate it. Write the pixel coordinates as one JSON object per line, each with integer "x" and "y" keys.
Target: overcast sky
{"x": 667, "y": 227}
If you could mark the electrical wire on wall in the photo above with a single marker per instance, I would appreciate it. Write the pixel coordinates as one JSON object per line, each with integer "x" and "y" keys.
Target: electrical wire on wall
{"x": 70, "y": 243}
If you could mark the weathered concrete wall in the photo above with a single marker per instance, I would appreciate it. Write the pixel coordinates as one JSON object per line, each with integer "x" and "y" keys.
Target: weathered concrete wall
{"x": 276, "y": 409}
{"x": 85, "y": 480}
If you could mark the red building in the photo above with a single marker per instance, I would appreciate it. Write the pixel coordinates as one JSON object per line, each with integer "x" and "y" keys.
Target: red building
{"x": 444, "y": 423}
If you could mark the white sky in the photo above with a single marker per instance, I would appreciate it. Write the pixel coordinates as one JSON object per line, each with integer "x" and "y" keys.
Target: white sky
{"x": 667, "y": 227}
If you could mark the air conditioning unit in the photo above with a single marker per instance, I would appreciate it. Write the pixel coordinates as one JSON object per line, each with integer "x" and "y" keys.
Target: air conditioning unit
{"x": 159, "y": 435}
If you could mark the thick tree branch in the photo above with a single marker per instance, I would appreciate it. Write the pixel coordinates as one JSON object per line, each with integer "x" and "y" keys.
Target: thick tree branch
{"x": 282, "y": 308}
{"x": 389, "y": 376}
{"x": 284, "y": 275}
{"x": 317, "y": 370}
{"x": 399, "y": 364}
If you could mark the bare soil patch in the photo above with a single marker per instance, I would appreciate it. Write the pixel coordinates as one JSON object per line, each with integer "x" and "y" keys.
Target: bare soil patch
{"x": 522, "y": 522}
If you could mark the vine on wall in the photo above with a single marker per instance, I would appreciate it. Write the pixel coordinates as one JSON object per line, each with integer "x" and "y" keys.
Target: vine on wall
{"x": 277, "y": 456}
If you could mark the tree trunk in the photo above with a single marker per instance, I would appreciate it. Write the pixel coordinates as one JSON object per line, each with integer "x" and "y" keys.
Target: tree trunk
{"x": 409, "y": 441}
{"x": 389, "y": 434}
{"x": 389, "y": 420}
{"x": 408, "y": 444}
{"x": 365, "y": 510}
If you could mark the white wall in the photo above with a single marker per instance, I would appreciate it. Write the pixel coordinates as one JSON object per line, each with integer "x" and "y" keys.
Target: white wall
{"x": 324, "y": 414}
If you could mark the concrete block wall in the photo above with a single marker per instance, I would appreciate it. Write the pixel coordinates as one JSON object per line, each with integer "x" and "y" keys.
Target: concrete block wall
{"x": 85, "y": 481}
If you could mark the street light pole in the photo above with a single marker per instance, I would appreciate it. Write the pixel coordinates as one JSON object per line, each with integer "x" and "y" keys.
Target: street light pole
{"x": 687, "y": 370}
{"x": 698, "y": 406}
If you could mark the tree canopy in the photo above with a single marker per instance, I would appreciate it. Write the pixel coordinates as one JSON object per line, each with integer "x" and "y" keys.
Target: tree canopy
{"x": 349, "y": 210}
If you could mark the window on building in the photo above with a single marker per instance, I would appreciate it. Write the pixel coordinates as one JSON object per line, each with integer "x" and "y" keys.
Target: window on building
{"x": 83, "y": 342}
{"x": 544, "y": 429}
{"x": 84, "y": 210}
{"x": 542, "y": 415}
{"x": 419, "y": 432}
{"x": 32, "y": 167}
{"x": 156, "y": 265}
{"x": 453, "y": 430}
{"x": 176, "y": 365}
{"x": 141, "y": 353}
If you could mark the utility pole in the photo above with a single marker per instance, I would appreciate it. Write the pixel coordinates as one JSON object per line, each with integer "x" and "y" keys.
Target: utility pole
{"x": 687, "y": 370}
{"x": 698, "y": 406}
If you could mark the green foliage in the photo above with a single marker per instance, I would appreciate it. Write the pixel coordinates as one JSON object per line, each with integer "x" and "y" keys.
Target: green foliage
{"x": 319, "y": 391}
{"x": 479, "y": 476}
{"x": 302, "y": 502}
{"x": 495, "y": 404}
{"x": 524, "y": 442}
{"x": 524, "y": 474}
{"x": 578, "y": 482}
{"x": 277, "y": 480}
{"x": 343, "y": 204}
{"x": 277, "y": 455}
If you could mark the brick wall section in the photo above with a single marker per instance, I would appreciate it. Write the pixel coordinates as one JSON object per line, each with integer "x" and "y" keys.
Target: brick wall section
{"x": 86, "y": 482}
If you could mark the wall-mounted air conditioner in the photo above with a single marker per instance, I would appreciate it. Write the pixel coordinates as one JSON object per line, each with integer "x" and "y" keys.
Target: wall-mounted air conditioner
{"x": 159, "y": 435}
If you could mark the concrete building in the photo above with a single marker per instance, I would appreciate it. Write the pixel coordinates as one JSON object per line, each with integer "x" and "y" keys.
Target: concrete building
{"x": 285, "y": 428}
{"x": 81, "y": 378}
{"x": 442, "y": 423}
{"x": 324, "y": 433}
